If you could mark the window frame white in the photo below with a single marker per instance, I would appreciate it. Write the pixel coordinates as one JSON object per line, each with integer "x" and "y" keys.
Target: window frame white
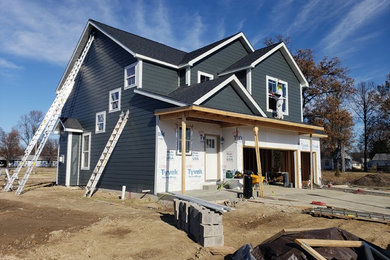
{"x": 201, "y": 73}
{"x": 85, "y": 167}
{"x": 110, "y": 109}
{"x": 268, "y": 78}
{"x": 178, "y": 141}
{"x": 97, "y": 131}
{"x": 136, "y": 75}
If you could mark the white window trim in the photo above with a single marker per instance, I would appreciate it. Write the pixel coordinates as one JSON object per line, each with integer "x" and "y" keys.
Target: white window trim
{"x": 249, "y": 80}
{"x": 119, "y": 100}
{"x": 178, "y": 144}
{"x": 266, "y": 92}
{"x": 201, "y": 73}
{"x": 104, "y": 122}
{"x": 135, "y": 65}
{"x": 89, "y": 152}
{"x": 188, "y": 76}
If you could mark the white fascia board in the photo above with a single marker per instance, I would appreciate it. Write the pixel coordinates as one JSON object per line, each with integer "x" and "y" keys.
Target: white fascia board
{"x": 235, "y": 70}
{"x": 73, "y": 130}
{"x": 235, "y": 80}
{"x": 249, "y": 96}
{"x": 193, "y": 61}
{"x": 290, "y": 60}
{"x": 161, "y": 98}
{"x": 143, "y": 57}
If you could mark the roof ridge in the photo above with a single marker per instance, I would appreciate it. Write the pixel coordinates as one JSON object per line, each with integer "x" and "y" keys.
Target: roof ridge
{"x": 136, "y": 35}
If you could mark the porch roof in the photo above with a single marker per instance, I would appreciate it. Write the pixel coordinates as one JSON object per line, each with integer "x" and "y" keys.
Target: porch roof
{"x": 229, "y": 119}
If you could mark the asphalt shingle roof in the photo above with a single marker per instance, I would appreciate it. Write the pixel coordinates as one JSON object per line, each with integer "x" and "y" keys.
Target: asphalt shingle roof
{"x": 251, "y": 57}
{"x": 189, "y": 94}
{"x": 143, "y": 46}
{"x": 193, "y": 54}
{"x": 71, "y": 123}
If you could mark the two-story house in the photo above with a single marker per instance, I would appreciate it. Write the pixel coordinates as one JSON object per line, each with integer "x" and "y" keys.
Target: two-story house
{"x": 208, "y": 101}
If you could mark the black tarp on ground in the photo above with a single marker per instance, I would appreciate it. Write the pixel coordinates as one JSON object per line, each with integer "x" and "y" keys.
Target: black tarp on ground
{"x": 284, "y": 247}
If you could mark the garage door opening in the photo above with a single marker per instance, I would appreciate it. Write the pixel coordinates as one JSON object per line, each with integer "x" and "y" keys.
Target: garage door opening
{"x": 273, "y": 164}
{"x": 305, "y": 168}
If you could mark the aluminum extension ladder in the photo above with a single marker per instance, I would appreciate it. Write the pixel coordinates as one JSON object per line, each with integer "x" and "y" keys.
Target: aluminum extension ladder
{"x": 46, "y": 127}
{"x": 6, "y": 177}
{"x": 105, "y": 156}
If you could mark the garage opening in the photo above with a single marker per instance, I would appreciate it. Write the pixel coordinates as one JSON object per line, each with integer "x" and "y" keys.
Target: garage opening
{"x": 305, "y": 168}
{"x": 273, "y": 164}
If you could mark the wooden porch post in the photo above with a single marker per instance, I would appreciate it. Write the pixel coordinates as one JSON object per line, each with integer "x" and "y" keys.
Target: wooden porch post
{"x": 258, "y": 162}
{"x": 311, "y": 162}
{"x": 183, "y": 154}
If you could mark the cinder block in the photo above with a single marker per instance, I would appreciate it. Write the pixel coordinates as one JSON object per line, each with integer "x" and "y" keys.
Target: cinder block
{"x": 176, "y": 204}
{"x": 211, "y": 241}
{"x": 183, "y": 215}
{"x": 205, "y": 216}
{"x": 210, "y": 230}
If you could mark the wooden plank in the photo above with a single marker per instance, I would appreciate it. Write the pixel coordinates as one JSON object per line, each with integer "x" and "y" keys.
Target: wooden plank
{"x": 258, "y": 162}
{"x": 287, "y": 231}
{"x": 331, "y": 243}
{"x": 309, "y": 249}
{"x": 311, "y": 162}
{"x": 183, "y": 154}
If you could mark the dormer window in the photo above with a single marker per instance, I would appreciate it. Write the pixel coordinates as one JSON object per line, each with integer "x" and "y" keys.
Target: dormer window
{"x": 203, "y": 76}
{"x": 130, "y": 76}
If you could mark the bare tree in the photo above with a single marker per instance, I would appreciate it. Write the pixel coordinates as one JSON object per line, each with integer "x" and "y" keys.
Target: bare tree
{"x": 9, "y": 145}
{"x": 365, "y": 107}
{"x": 28, "y": 125}
{"x": 50, "y": 150}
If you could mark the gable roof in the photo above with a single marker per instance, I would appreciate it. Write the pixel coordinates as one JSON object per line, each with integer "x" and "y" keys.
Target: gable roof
{"x": 381, "y": 157}
{"x": 251, "y": 60}
{"x": 146, "y": 49}
{"x": 68, "y": 125}
{"x": 143, "y": 46}
{"x": 198, "y": 93}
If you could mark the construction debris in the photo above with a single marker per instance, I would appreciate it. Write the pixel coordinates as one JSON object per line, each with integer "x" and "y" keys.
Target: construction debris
{"x": 330, "y": 243}
{"x": 202, "y": 225}
{"x": 330, "y": 212}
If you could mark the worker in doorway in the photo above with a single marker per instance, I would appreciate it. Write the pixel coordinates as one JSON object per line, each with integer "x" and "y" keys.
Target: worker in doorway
{"x": 279, "y": 101}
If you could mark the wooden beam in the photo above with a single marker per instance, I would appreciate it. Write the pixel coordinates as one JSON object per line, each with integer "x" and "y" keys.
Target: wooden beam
{"x": 309, "y": 249}
{"x": 332, "y": 243}
{"x": 311, "y": 162}
{"x": 258, "y": 162}
{"x": 183, "y": 154}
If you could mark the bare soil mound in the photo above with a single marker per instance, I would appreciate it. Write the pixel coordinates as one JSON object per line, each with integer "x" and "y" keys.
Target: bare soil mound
{"x": 373, "y": 180}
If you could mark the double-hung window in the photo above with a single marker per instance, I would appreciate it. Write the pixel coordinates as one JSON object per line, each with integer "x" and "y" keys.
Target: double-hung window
{"x": 188, "y": 140}
{"x": 100, "y": 122}
{"x": 85, "y": 151}
{"x": 276, "y": 89}
{"x": 203, "y": 76}
{"x": 130, "y": 76}
{"x": 114, "y": 100}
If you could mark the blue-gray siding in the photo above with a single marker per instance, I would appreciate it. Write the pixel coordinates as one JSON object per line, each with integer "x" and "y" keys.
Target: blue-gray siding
{"x": 219, "y": 60}
{"x": 132, "y": 162}
{"x": 159, "y": 79}
{"x": 276, "y": 66}
{"x": 228, "y": 99}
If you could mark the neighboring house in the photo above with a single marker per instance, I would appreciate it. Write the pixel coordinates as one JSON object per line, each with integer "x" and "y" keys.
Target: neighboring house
{"x": 381, "y": 161}
{"x": 327, "y": 163}
{"x": 41, "y": 162}
{"x": 218, "y": 93}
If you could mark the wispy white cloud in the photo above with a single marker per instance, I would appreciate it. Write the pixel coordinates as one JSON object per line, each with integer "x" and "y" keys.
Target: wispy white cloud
{"x": 8, "y": 64}
{"x": 360, "y": 14}
{"x": 304, "y": 17}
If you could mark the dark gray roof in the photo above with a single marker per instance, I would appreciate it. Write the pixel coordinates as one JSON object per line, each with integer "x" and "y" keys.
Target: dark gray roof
{"x": 189, "y": 94}
{"x": 143, "y": 46}
{"x": 71, "y": 123}
{"x": 251, "y": 57}
{"x": 193, "y": 54}
{"x": 381, "y": 157}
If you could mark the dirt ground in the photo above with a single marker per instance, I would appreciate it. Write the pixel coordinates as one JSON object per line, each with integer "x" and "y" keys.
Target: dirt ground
{"x": 54, "y": 222}
{"x": 359, "y": 179}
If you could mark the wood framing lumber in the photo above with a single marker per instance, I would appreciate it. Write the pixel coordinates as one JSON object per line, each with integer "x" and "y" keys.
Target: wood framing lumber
{"x": 309, "y": 249}
{"x": 331, "y": 243}
{"x": 183, "y": 154}
{"x": 311, "y": 163}
{"x": 286, "y": 232}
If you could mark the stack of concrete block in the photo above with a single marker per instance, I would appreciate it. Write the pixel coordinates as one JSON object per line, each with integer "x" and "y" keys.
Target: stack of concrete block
{"x": 203, "y": 225}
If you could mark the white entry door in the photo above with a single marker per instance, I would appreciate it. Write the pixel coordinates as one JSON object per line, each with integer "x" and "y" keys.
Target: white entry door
{"x": 211, "y": 158}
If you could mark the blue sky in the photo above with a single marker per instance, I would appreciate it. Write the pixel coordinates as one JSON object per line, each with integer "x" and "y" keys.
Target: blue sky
{"x": 37, "y": 38}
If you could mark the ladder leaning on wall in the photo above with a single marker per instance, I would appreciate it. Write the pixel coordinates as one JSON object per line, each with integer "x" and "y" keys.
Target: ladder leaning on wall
{"x": 105, "y": 156}
{"x": 47, "y": 126}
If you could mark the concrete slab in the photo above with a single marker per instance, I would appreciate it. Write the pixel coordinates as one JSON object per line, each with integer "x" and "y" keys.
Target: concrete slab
{"x": 304, "y": 197}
